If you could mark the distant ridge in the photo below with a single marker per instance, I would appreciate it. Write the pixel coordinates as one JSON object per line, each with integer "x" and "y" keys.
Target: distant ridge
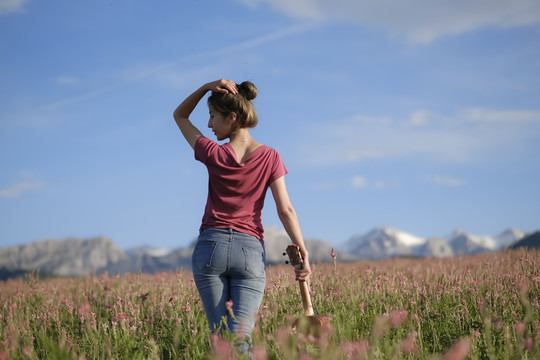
{"x": 531, "y": 242}
{"x": 67, "y": 257}
{"x": 78, "y": 257}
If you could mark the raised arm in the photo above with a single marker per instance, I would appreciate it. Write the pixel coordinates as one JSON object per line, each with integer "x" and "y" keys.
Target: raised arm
{"x": 184, "y": 110}
{"x": 289, "y": 219}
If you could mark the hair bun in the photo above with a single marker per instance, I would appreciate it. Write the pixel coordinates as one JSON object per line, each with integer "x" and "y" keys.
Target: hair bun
{"x": 248, "y": 90}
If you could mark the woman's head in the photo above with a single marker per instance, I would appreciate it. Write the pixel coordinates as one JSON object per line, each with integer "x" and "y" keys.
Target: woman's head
{"x": 241, "y": 104}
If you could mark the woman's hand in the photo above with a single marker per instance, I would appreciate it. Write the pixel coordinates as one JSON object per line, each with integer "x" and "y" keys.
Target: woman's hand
{"x": 222, "y": 86}
{"x": 304, "y": 273}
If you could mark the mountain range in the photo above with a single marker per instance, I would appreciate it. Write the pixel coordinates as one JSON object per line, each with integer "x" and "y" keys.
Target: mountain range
{"x": 78, "y": 257}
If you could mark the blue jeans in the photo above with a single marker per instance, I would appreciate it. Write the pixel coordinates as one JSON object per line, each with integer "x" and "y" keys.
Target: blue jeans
{"x": 230, "y": 265}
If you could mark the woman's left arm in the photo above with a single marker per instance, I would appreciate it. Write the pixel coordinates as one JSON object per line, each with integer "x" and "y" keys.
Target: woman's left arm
{"x": 184, "y": 110}
{"x": 289, "y": 219}
{"x": 182, "y": 113}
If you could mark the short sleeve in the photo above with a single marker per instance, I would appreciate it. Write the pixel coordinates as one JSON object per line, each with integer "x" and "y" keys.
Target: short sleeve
{"x": 204, "y": 148}
{"x": 278, "y": 168}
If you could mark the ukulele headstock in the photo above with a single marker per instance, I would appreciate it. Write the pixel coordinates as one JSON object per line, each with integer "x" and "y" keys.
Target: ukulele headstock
{"x": 295, "y": 256}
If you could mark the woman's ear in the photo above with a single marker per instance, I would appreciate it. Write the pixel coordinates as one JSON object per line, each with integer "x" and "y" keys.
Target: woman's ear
{"x": 232, "y": 118}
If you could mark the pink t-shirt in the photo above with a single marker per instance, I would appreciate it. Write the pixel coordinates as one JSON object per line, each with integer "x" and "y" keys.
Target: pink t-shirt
{"x": 236, "y": 191}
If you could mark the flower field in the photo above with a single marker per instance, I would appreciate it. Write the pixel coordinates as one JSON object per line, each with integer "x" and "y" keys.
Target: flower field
{"x": 478, "y": 307}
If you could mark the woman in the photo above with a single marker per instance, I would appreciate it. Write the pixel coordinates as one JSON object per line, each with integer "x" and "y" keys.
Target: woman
{"x": 229, "y": 257}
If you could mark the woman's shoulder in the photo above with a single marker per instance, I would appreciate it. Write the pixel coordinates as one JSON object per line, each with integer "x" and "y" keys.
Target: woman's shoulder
{"x": 205, "y": 148}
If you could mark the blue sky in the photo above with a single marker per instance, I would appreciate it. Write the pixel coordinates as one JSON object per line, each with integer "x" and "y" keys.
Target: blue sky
{"x": 424, "y": 117}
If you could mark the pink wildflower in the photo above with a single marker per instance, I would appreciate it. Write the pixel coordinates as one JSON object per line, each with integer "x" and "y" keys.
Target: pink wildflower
{"x": 458, "y": 351}
{"x": 355, "y": 350}
{"x": 259, "y": 353}
{"x": 519, "y": 328}
{"x": 84, "y": 308}
{"x": 221, "y": 348}
{"x": 334, "y": 259}
{"x": 408, "y": 345}
{"x": 398, "y": 317}
{"x": 380, "y": 326}
{"x": 27, "y": 351}
{"x": 229, "y": 305}
{"x": 529, "y": 344}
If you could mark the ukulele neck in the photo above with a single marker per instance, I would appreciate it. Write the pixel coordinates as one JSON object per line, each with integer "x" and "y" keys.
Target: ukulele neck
{"x": 306, "y": 299}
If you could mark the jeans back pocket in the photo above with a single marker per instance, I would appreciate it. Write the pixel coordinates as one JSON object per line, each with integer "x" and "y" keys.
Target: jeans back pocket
{"x": 203, "y": 254}
{"x": 254, "y": 261}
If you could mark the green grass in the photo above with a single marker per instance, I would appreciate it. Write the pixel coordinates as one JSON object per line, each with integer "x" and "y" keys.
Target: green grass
{"x": 480, "y": 307}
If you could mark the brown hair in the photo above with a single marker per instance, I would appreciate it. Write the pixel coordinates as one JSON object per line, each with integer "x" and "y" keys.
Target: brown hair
{"x": 241, "y": 104}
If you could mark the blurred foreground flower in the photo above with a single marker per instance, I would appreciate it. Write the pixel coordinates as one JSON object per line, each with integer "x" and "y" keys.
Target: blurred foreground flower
{"x": 458, "y": 351}
{"x": 222, "y": 349}
{"x": 229, "y": 305}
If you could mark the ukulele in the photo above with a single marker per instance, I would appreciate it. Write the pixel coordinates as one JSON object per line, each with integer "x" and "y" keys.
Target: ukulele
{"x": 314, "y": 322}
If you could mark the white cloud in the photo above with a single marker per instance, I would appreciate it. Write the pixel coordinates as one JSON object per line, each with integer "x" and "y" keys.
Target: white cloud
{"x": 380, "y": 184}
{"x": 444, "y": 180}
{"x": 178, "y": 72}
{"x": 359, "y": 182}
{"x": 67, "y": 80}
{"x": 419, "y": 21}
{"x": 501, "y": 116}
{"x": 11, "y": 6}
{"x": 17, "y": 189}
{"x": 468, "y": 136}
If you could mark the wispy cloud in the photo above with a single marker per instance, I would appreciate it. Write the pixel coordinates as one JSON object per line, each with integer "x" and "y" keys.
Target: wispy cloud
{"x": 443, "y": 180}
{"x": 174, "y": 72}
{"x": 419, "y": 21}
{"x": 67, "y": 80}
{"x": 18, "y": 189}
{"x": 359, "y": 182}
{"x": 468, "y": 136}
{"x": 11, "y": 6}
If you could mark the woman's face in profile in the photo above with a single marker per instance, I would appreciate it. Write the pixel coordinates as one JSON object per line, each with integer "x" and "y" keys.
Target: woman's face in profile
{"x": 220, "y": 125}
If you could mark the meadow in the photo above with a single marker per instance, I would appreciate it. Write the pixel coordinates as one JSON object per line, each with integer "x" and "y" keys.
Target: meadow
{"x": 477, "y": 307}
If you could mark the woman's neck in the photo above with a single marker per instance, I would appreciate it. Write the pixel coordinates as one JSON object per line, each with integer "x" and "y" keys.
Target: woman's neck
{"x": 241, "y": 137}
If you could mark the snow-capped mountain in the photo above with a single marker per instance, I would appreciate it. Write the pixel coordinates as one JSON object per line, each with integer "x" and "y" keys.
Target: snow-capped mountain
{"x": 80, "y": 257}
{"x": 435, "y": 247}
{"x": 384, "y": 242}
{"x": 276, "y": 241}
{"x": 148, "y": 250}
{"x": 508, "y": 237}
{"x": 467, "y": 244}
